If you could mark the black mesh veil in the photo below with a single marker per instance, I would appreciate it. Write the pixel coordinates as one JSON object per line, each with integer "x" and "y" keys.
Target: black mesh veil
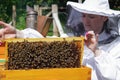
{"x": 74, "y": 24}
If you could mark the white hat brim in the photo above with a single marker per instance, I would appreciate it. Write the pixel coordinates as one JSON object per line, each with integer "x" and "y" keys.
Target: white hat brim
{"x": 85, "y": 9}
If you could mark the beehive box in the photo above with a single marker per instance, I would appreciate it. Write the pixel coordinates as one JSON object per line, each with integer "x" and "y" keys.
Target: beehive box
{"x": 65, "y": 71}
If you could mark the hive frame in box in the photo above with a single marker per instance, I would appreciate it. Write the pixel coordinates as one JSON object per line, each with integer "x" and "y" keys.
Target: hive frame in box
{"x": 82, "y": 73}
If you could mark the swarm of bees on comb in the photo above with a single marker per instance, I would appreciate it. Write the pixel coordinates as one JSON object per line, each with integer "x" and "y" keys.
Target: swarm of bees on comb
{"x": 42, "y": 54}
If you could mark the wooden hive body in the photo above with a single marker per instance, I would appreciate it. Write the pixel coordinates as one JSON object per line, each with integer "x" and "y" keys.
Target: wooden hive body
{"x": 80, "y": 73}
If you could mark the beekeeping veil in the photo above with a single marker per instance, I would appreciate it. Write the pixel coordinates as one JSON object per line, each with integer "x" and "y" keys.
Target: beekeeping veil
{"x": 98, "y": 7}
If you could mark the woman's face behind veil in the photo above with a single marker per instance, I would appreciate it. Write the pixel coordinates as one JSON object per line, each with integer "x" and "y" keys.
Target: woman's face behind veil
{"x": 93, "y": 22}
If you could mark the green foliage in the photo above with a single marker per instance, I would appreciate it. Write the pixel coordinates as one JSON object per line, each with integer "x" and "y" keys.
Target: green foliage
{"x": 4, "y": 10}
{"x": 21, "y": 22}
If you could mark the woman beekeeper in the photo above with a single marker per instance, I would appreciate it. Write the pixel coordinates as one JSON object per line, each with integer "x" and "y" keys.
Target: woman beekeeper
{"x": 102, "y": 40}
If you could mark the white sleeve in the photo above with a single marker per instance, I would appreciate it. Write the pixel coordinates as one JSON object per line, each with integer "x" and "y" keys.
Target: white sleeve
{"x": 28, "y": 33}
{"x": 107, "y": 66}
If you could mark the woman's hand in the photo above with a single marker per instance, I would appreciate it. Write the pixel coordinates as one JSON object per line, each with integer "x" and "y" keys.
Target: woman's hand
{"x": 7, "y": 31}
{"x": 91, "y": 41}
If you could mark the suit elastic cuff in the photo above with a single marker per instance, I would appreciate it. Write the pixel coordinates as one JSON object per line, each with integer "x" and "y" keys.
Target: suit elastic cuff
{"x": 19, "y": 34}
